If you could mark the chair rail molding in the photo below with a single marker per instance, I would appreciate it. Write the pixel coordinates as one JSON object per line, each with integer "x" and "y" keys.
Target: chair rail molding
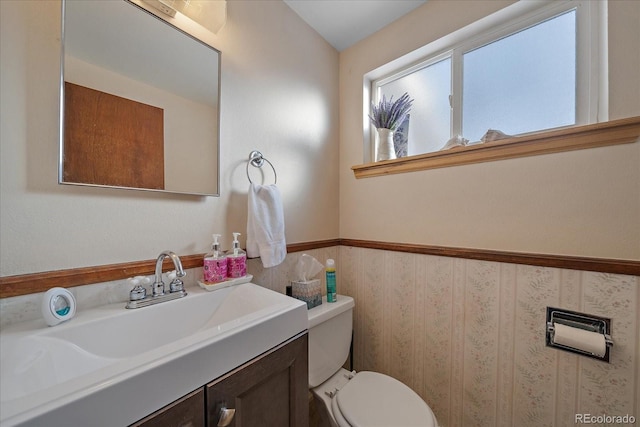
{"x": 24, "y": 284}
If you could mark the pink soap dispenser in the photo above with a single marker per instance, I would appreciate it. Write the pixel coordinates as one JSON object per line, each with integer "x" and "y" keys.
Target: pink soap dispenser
{"x": 215, "y": 263}
{"x": 236, "y": 260}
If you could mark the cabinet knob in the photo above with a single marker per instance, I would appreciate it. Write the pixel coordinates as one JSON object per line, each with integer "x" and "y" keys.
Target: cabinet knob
{"x": 226, "y": 416}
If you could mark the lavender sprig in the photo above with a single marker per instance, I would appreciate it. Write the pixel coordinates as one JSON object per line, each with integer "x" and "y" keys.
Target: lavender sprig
{"x": 390, "y": 114}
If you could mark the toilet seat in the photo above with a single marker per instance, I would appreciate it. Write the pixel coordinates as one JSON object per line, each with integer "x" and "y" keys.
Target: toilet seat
{"x": 374, "y": 399}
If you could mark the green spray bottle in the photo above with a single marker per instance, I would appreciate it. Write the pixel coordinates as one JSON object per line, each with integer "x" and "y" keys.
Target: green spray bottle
{"x": 331, "y": 280}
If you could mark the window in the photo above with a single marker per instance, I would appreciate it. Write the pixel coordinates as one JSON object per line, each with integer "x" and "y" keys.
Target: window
{"x": 530, "y": 73}
{"x": 523, "y": 82}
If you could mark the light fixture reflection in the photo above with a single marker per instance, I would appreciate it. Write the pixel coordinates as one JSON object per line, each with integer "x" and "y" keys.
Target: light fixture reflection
{"x": 211, "y": 14}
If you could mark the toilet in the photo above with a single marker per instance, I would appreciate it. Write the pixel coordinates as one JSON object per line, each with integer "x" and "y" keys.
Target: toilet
{"x": 350, "y": 399}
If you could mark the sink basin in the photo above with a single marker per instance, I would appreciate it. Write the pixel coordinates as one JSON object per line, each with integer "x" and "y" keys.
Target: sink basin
{"x": 110, "y": 354}
{"x": 132, "y": 332}
{"x": 35, "y": 362}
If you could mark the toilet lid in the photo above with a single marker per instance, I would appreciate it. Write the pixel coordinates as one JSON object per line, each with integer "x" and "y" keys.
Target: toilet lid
{"x": 374, "y": 399}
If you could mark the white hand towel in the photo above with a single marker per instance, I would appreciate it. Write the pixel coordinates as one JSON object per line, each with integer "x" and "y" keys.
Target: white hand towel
{"x": 265, "y": 225}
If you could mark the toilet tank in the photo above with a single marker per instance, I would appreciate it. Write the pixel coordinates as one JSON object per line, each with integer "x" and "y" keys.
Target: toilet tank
{"x": 330, "y": 326}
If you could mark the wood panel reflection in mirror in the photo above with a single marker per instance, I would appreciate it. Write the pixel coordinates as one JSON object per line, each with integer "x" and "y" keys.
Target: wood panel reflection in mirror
{"x": 138, "y": 62}
{"x": 111, "y": 140}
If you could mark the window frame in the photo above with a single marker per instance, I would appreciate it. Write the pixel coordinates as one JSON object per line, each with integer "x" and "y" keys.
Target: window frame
{"x": 591, "y": 59}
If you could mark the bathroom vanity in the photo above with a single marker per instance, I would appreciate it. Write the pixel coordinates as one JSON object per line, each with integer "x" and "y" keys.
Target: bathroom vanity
{"x": 269, "y": 390}
{"x": 243, "y": 347}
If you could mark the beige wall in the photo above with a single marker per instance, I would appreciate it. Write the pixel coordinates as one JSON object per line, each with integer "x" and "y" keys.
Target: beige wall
{"x": 279, "y": 95}
{"x": 582, "y": 203}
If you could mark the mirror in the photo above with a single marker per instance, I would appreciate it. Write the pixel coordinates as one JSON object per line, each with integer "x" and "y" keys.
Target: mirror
{"x": 139, "y": 102}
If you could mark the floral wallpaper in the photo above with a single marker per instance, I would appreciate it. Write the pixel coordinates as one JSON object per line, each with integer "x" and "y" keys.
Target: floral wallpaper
{"x": 468, "y": 336}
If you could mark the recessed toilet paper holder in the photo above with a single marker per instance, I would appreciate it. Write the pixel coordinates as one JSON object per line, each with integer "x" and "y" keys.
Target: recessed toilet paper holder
{"x": 587, "y": 322}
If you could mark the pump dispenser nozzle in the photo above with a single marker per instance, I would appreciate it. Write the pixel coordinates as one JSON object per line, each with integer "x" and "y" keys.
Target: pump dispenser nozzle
{"x": 215, "y": 246}
{"x": 236, "y": 243}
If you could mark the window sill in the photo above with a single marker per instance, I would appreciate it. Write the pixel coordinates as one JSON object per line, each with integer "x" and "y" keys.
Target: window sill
{"x": 615, "y": 132}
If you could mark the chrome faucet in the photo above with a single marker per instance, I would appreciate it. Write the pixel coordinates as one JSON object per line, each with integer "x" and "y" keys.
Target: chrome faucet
{"x": 138, "y": 296}
{"x": 176, "y": 284}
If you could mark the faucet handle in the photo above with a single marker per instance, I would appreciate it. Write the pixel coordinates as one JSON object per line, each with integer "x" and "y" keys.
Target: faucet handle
{"x": 138, "y": 292}
{"x": 176, "y": 284}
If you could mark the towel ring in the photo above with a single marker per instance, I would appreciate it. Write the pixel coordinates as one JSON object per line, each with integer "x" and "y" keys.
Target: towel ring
{"x": 256, "y": 159}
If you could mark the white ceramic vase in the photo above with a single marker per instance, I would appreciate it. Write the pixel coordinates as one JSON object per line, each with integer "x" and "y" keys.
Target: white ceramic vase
{"x": 384, "y": 148}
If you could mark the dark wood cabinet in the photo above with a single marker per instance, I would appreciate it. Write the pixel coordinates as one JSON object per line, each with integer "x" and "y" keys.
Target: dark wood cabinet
{"x": 270, "y": 390}
{"x": 185, "y": 412}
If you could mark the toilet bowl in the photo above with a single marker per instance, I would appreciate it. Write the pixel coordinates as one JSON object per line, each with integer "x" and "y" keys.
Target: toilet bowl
{"x": 355, "y": 399}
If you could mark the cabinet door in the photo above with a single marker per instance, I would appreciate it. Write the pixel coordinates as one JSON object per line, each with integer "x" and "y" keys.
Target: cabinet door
{"x": 185, "y": 412}
{"x": 270, "y": 390}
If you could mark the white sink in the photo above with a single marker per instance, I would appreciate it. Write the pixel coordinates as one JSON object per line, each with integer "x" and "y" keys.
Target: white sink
{"x": 112, "y": 366}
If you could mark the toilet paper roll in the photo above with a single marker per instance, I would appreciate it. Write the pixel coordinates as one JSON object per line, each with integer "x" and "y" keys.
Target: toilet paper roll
{"x": 590, "y": 342}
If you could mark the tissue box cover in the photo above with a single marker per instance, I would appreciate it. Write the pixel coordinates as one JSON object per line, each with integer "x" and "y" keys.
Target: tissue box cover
{"x": 308, "y": 291}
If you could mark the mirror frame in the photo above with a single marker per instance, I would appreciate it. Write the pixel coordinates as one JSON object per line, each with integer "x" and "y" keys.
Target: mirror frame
{"x": 156, "y": 15}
